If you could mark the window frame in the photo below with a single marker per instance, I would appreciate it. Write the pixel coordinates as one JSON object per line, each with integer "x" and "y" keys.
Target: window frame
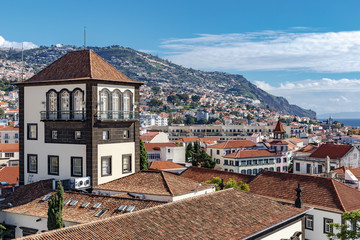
{"x": 130, "y": 163}
{"x": 103, "y": 159}
{"x": 72, "y": 167}
{"x": 297, "y": 166}
{"x": 312, "y": 222}
{"x": 54, "y": 134}
{"x": 28, "y": 163}
{"x": 49, "y": 162}
{"x": 28, "y": 131}
{"x": 75, "y": 135}
{"x": 107, "y": 136}
{"x": 330, "y": 228}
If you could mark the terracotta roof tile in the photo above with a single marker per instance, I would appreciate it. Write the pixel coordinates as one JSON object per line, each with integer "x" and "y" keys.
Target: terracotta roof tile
{"x": 310, "y": 148}
{"x": 317, "y": 191}
{"x": 234, "y": 144}
{"x": 279, "y": 127}
{"x": 164, "y": 165}
{"x": 355, "y": 171}
{"x": 249, "y": 154}
{"x": 9, "y": 147}
{"x": 224, "y": 214}
{"x": 153, "y": 183}
{"x": 205, "y": 174}
{"x": 157, "y": 146}
{"x": 148, "y": 136}
{"x": 79, "y": 65}
{"x": 334, "y": 151}
{"x": 10, "y": 174}
{"x": 8, "y": 128}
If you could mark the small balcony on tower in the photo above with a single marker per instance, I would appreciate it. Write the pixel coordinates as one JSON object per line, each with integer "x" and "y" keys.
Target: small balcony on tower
{"x": 77, "y": 115}
{"x": 117, "y": 115}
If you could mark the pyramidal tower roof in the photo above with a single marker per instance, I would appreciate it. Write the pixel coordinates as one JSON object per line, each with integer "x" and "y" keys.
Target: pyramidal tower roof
{"x": 79, "y": 65}
{"x": 279, "y": 127}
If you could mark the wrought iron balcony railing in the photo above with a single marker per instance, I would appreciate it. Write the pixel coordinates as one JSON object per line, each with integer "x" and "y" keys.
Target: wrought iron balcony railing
{"x": 63, "y": 115}
{"x": 117, "y": 115}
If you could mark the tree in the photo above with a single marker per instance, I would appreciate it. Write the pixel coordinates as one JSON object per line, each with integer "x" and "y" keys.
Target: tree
{"x": 144, "y": 161}
{"x": 56, "y": 205}
{"x": 231, "y": 183}
{"x": 349, "y": 230}
{"x": 189, "y": 120}
{"x": 156, "y": 89}
{"x": 2, "y": 113}
{"x": 206, "y": 160}
{"x": 195, "y": 98}
{"x": 196, "y": 154}
{"x": 189, "y": 152}
{"x": 155, "y": 102}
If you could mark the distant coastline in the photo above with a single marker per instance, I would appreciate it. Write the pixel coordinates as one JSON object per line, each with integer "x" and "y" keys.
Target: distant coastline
{"x": 353, "y": 122}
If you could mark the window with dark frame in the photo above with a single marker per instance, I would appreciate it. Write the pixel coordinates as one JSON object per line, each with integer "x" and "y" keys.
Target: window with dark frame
{"x": 53, "y": 165}
{"x": 32, "y": 163}
{"x": 126, "y": 134}
{"x": 106, "y": 166}
{"x": 297, "y": 167}
{"x": 54, "y": 134}
{"x": 105, "y": 135}
{"x": 32, "y": 129}
{"x": 76, "y": 166}
{"x": 309, "y": 222}
{"x": 77, "y": 135}
{"x": 9, "y": 155}
{"x": 126, "y": 162}
{"x": 327, "y": 226}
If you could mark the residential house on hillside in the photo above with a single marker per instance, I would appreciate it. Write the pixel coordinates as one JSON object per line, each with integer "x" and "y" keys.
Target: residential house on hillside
{"x": 9, "y": 154}
{"x": 167, "y": 151}
{"x": 155, "y": 137}
{"x": 79, "y": 118}
{"x": 167, "y": 166}
{"x": 338, "y": 154}
{"x": 227, "y": 214}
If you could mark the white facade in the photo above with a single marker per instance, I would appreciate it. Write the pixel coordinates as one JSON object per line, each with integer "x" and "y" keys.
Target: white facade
{"x": 285, "y": 233}
{"x": 147, "y": 120}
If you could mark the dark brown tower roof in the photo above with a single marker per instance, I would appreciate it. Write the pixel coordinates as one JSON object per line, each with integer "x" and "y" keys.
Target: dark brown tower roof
{"x": 279, "y": 128}
{"x": 79, "y": 65}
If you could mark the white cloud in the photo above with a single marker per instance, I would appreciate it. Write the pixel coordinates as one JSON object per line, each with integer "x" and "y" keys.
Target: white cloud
{"x": 269, "y": 50}
{"x": 7, "y": 44}
{"x": 324, "y": 95}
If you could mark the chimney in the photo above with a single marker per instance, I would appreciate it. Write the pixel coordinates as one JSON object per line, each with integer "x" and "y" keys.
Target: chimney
{"x": 298, "y": 201}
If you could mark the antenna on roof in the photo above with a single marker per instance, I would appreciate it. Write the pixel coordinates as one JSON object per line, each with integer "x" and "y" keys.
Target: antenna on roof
{"x": 84, "y": 37}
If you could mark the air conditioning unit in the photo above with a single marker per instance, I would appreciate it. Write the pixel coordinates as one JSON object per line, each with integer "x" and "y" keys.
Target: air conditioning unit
{"x": 81, "y": 183}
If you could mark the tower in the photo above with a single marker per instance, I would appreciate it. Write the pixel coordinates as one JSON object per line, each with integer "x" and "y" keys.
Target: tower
{"x": 79, "y": 118}
{"x": 279, "y": 132}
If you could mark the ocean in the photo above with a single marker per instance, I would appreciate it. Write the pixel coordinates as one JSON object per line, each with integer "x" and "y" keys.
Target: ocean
{"x": 347, "y": 122}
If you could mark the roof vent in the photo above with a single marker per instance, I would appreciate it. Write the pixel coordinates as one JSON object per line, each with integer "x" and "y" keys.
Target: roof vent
{"x": 73, "y": 203}
{"x": 67, "y": 202}
{"x": 101, "y": 212}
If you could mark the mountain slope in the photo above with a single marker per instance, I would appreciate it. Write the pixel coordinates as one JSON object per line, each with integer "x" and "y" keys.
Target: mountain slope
{"x": 156, "y": 71}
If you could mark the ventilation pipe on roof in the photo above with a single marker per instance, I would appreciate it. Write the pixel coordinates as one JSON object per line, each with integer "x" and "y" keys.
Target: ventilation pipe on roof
{"x": 298, "y": 201}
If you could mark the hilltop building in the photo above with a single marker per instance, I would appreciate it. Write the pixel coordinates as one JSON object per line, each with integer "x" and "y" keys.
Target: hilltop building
{"x": 78, "y": 118}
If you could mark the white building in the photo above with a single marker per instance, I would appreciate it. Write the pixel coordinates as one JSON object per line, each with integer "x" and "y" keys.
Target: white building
{"x": 78, "y": 118}
{"x": 165, "y": 152}
{"x": 147, "y": 120}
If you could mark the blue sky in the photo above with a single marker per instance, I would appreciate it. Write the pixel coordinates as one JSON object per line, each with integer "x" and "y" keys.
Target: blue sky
{"x": 306, "y": 51}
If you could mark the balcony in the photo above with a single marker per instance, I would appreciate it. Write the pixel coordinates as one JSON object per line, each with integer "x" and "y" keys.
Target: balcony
{"x": 117, "y": 115}
{"x": 63, "y": 115}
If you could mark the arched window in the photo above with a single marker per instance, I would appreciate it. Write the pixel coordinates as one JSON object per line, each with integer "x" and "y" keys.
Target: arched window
{"x": 78, "y": 99}
{"x": 116, "y": 104}
{"x": 65, "y": 104}
{"x": 52, "y": 104}
{"x": 104, "y": 104}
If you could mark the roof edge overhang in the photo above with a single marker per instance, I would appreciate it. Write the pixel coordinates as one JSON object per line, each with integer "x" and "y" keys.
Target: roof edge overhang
{"x": 77, "y": 81}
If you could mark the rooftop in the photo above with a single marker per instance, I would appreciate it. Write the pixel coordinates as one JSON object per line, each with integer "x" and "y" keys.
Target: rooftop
{"x": 153, "y": 182}
{"x": 250, "y": 154}
{"x": 227, "y": 214}
{"x": 205, "y": 174}
{"x": 10, "y": 175}
{"x": 279, "y": 128}
{"x": 165, "y": 165}
{"x": 79, "y": 65}
{"x": 234, "y": 144}
{"x": 308, "y": 149}
{"x": 148, "y": 136}
{"x": 9, "y": 147}
{"x": 334, "y": 151}
{"x": 157, "y": 146}
{"x": 320, "y": 192}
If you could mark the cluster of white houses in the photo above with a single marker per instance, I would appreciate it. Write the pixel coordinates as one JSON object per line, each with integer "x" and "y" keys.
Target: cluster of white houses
{"x": 79, "y": 123}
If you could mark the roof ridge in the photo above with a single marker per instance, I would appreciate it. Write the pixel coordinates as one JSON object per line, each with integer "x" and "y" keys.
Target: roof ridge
{"x": 338, "y": 195}
{"x": 166, "y": 183}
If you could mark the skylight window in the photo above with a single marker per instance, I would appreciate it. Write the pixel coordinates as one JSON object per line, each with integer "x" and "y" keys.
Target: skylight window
{"x": 97, "y": 205}
{"x": 73, "y": 203}
{"x": 66, "y": 202}
{"x": 130, "y": 209}
{"x": 85, "y": 205}
{"x": 47, "y": 197}
{"x": 101, "y": 212}
{"x": 121, "y": 208}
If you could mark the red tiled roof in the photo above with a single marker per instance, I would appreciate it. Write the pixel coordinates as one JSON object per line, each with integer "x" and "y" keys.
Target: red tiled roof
{"x": 9, "y": 128}
{"x": 318, "y": 192}
{"x": 157, "y": 146}
{"x": 164, "y": 165}
{"x": 189, "y": 139}
{"x": 295, "y": 140}
{"x": 334, "y": 151}
{"x": 10, "y": 174}
{"x": 355, "y": 171}
{"x": 249, "y": 154}
{"x": 205, "y": 174}
{"x": 234, "y": 144}
{"x": 9, "y": 147}
{"x": 79, "y": 65}
{"x": 153, "y": 183}
{"x": 227, "y": 214}
{"x": 77, "y": 213}
{"x": 308, "y": 149}
{"x": 148, "y": 136}
{"x": 279, "y": 127}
